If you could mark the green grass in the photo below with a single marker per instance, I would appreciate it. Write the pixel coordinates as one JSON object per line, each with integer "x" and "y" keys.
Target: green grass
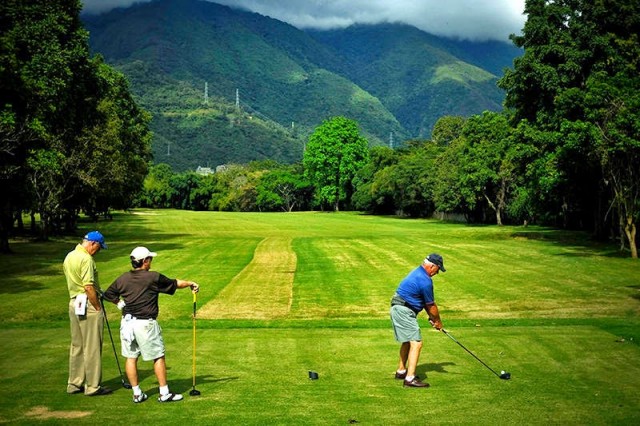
{"x": 556, "y": 310}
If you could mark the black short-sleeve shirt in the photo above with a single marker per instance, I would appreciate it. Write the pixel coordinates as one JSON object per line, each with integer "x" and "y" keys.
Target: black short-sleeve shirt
{"x": 139, "y": 289}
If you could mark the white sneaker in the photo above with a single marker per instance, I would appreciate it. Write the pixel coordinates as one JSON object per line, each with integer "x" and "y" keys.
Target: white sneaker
{"x": 170, "y": 397}
{"x": 137, "y": 399}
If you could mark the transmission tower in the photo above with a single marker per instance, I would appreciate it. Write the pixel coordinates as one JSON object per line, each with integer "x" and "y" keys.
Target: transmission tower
{"x": 391, "y": 140}
{"x": 238, "y": 99}
{"x": 206, "y": 93}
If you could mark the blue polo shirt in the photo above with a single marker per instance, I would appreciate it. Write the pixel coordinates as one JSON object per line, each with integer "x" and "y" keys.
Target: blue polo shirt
{"x": 417, "y": 289}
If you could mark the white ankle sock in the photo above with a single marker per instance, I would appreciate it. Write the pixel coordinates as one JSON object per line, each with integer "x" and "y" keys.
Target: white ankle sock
{"x": 164, "y": 390}
{"x": 409, "y": 378}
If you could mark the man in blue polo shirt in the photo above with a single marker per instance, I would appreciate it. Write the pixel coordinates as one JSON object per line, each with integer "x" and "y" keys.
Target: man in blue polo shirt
{"x": 414, "y": 293}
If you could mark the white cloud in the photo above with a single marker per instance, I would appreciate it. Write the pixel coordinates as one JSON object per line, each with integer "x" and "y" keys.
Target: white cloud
{"x": 464, "y": 19}
{"x": 100, "y": 6}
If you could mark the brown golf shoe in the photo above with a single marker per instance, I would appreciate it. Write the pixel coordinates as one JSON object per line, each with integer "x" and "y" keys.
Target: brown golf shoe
{"x": 401, "y": 376}
{"x": 415, "y": 383}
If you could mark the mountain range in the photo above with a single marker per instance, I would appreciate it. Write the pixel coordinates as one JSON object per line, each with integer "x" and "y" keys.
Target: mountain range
{"x": 230, "y": 86}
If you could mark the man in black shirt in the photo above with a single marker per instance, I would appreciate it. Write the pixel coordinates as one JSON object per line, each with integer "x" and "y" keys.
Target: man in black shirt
{"x": 136, "y": 292}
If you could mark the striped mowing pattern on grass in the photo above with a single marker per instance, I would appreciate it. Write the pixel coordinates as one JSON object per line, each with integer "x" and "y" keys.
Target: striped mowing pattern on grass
{"x": 348, "y": 277}
{"x": 263, "y": 289}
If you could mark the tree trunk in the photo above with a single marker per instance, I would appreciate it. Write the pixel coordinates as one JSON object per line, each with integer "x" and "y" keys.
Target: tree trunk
{"x": 496, "y": 210}
{"x": 33, "y": 226}
{"x": 6, "y": 224}
{"x": 630, "y": 232}
{"x": 19, "y": 222}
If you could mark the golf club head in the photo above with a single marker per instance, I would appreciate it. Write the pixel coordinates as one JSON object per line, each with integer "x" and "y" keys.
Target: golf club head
{"x": 126, "y": 385}
{"x": 505, "y": 376}
{"x": 194, "y": 392}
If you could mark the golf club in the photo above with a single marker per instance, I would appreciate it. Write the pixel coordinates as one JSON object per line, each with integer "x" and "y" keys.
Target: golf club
{"x": 113, "y": 345}
{"x": 503, "y": 375}
{"x": 194, "y": 391}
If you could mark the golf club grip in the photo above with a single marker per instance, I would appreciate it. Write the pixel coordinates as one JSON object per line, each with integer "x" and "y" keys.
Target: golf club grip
{"x": 195, "y": 302}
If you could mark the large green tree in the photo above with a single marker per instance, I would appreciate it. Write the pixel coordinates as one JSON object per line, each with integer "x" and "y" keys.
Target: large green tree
{"x": 368, "y": 196}
{"x": 488, "y": 162}
{"x": 283, "y": 189}
{"x": 403, "y": 182}
{"x": 612, "y": 127}
{"x": 572, "y": 47}
{"x": 43, "y": 65}
{"x": 71, "y": 136}
{"x": 334, "y": 154}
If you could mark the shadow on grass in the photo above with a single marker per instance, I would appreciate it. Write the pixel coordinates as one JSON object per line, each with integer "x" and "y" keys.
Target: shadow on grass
{"x": 143, "y": 374}
{"x": 149, "y": 384}
{"x": 20, "y": 285}
{"x": 46, "y": 258}
{"x": 185, "y": 385}
{"x": 636, "y": 295}
{"x": 423, "y": 370}
{"x": 585, "y": 244}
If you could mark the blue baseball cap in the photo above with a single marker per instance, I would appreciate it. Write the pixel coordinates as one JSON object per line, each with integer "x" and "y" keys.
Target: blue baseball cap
{"x": 97, "y": 237}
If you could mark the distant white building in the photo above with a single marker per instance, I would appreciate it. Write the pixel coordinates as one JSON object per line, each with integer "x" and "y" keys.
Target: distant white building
{"x": 204, "y": 171}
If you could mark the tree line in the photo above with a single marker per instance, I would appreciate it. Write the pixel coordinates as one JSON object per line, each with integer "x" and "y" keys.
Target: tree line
{"x": 565, "y": 151}
{"x": 72, "y": 138}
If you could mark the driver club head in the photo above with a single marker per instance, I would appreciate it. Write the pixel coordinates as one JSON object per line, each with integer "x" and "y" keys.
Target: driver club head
{"x": 194, "y": 392}
{"x": 126, "y": 385}
{"x": 505, "y": 376}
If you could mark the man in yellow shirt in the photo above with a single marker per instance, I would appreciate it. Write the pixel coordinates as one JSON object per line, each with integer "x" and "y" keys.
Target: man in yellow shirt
{"x": 86, "y": 317}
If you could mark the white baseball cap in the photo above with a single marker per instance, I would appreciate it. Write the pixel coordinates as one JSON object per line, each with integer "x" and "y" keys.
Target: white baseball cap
{"x": 141, "y": 253}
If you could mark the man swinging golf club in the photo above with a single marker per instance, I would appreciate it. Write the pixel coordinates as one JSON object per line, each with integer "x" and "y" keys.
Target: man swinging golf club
{"x": 414, "y": 293}
{"x": 137, "y": 293}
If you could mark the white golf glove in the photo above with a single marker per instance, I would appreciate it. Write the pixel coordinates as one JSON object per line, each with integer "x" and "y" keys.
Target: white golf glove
{"x": 121, "y": 304}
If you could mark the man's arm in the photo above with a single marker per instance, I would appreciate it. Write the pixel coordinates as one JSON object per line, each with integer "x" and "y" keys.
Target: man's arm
{"x": 184, "y": 284}
{"x": 434, "y": 315}
{"x": 111, "y": 295}
{"x": 92, "y": 296}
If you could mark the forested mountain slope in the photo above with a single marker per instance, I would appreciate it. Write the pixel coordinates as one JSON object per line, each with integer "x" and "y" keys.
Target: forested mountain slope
{"x": 270, "y": 84}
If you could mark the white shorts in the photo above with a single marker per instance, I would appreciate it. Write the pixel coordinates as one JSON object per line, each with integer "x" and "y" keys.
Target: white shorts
{"x": 141, "y": 337}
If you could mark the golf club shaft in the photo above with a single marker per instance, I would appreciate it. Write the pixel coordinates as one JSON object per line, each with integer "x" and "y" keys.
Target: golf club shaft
{"x": 113, "y": 345}
{"x": 194, "y": 339}
{"x": 471, "y": 353}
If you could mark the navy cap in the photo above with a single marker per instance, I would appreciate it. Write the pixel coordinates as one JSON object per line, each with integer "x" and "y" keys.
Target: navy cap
{"x": 436, "y": 259}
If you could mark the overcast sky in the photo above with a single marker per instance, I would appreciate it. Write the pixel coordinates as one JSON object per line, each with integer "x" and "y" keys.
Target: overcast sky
{"x": 465, "y": 19}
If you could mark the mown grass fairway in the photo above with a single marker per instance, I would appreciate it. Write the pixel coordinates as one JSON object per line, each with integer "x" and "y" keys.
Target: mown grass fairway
{"x": 283, "y": 294}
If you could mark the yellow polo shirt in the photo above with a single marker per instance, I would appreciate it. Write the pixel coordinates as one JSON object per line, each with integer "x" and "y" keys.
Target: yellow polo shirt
{"x": 80, "y": 270}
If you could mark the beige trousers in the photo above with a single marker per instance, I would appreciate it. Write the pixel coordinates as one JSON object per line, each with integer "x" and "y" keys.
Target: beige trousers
{"x": 85, "y": 353}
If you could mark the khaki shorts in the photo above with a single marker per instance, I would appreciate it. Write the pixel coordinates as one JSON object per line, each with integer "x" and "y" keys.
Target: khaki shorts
{"x": 141, "y": 337}
{"x": 405, "y": 324}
